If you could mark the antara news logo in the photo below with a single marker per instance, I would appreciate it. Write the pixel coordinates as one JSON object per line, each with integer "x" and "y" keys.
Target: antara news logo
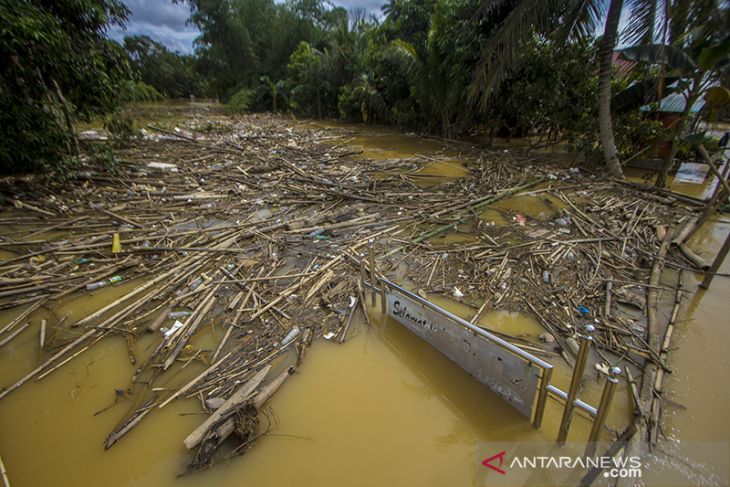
{"x": 613, "y": 467}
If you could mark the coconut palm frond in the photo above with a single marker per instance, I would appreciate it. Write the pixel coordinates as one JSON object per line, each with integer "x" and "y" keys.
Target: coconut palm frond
{"x": 582, "y": 20}
{"x": 570, "y": 18}
{"x": 491, "y": 6}
{"x": 642, "y": 93}
{"x": 404, "y": 55}
{"x": 672, "y": 57}
{"x": 647, "y": 22}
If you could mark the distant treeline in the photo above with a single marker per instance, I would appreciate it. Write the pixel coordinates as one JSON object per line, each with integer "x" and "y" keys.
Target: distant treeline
{"x": 450, "y": 67}
{"x": 414, "y": 67}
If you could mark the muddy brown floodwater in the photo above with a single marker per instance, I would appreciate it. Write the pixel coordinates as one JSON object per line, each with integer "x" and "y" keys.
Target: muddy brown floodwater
{"x": 384, "y": 408}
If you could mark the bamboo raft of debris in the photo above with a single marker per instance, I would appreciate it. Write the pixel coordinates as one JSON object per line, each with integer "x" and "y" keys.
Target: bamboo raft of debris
{"x": 256, "y": 232}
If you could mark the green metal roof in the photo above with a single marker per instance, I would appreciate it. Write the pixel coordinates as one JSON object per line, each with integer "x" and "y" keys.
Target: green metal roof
{"x": 675, "y": 103}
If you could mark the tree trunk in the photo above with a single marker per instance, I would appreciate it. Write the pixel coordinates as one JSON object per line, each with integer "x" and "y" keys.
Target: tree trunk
{"x": 605, "y": 56}
{"x": 69, "y": 121}
{"x": 661, "y": 180}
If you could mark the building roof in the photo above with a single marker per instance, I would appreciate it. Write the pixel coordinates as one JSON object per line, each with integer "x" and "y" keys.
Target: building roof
{"x": 623, "y": 65}
{"x": 675, "y": 103}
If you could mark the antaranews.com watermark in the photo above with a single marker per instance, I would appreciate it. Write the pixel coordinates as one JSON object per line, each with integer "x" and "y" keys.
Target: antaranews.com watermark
{"x": 547, "y": 464}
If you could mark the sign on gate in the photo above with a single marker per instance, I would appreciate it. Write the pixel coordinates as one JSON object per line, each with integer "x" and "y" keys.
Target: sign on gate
{"x": 509, "y": 376}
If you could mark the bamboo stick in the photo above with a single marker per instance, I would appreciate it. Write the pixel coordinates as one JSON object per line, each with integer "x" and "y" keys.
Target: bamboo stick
{"x": 240, "y": 396}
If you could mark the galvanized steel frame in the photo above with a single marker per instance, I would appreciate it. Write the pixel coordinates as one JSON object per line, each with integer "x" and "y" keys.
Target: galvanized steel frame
{"x": 545, "y": 388}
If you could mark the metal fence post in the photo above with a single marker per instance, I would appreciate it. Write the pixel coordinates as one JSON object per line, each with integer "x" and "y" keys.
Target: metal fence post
{"x": 363, "y": 273}
{"x": 547, "y": 374}
{"x": 371, "y": 243}
{"x": 580, "y": 363}
{"x": 606, "y": 398}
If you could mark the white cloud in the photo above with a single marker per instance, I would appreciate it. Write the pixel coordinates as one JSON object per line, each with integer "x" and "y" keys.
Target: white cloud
{"x": 166, "y": 22}
{"x": 161, "y": 20}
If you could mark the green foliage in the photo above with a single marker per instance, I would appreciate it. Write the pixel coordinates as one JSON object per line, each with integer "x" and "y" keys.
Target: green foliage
{"x": 308, "y": 80}
{"x": 31, "y": 139}
{"x": 700, "y": 58}
{"x": 551, "y": 92}
{"x": 243, "y": 40}
{"x": 240, "y": 102}
{"x": 442, "y": 66}
{"x": 501, "y": 51}
{"x": 121, "y": 128}
{"x": 409, "y": 21}
{"x": 139, "y": 91}
{"x": 642, "y": 92}
{"x": 635, "y": 132}
{"x": 360, "y": 101}
{"x": 270, "y": 96}
{"x": 170, "y": 73}
{"x": 674, "y": 58}
{"x": 689, "y": 147}
{"x": 56, "y": 65}
{"x": 102, "y": 156}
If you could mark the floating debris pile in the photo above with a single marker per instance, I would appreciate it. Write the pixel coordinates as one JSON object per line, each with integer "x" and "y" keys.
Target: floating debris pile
{"x": 255, "y": 233}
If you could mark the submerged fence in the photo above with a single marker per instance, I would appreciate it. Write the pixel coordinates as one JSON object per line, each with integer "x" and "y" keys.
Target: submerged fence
{"x": 518, "y": 377}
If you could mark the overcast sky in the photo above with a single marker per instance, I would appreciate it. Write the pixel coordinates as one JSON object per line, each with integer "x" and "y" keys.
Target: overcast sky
{"x": 165, "y": 21}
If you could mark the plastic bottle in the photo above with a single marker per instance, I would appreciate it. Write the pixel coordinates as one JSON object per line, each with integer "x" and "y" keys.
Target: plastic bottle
{"x": 290, "y": 336}
{"x": 546, "y": 277}
{"x": 179, "y": 314}
{"x": 200, "y": 280}
{"x": 106, "y": 282}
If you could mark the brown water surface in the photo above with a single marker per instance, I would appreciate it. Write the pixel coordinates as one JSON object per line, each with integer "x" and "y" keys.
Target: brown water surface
{"x": 384, "y": 408}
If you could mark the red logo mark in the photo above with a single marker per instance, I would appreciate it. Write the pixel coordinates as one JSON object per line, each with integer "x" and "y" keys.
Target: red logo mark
{"x": 487, "y": 462}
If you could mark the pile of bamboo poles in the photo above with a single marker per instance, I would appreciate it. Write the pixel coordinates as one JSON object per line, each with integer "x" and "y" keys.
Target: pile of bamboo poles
{"x": 253, "y": 236}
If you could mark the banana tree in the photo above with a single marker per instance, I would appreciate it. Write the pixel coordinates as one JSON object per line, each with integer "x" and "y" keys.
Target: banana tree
{"x": 276, "y": 91}
{"x": 701, "y": 61}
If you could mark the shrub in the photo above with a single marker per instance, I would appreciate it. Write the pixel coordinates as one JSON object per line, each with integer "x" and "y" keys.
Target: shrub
{"x": 58, "y": 66}
{"x": 140, "y": 91}
{"x": 121, "y": 128}
{"x": 240, "y": 102}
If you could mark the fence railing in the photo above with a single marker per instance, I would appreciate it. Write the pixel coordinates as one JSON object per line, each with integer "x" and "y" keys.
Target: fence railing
{"x": 504, "y": 367}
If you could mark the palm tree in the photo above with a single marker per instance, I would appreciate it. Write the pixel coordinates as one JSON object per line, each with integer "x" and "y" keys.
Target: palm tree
{"x": 568, "y": 19}
{"x": 430, "y": 85}
{"x": 605, "y": 60}
{"x": 372, "y": 104}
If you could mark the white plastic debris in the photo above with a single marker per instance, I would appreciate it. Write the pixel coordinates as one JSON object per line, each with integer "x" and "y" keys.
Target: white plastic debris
{"x": 92, "y": 135}
{"x": 601, "y": 367}
{"x": 329, "y": 335}
{"x": 162, "y": 166}
{"x": 290, "y": 336}
{"x": 168, "y": 332}
{"x": 457, "y": 293}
